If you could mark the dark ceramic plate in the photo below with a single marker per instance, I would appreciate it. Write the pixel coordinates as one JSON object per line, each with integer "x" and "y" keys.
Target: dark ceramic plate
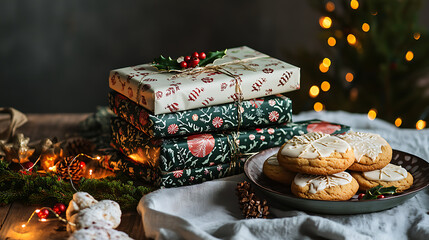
{"x": 282, "y": 197}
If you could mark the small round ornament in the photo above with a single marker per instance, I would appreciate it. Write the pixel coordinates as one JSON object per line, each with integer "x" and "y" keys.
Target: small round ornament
{"x": 82, "y": 164}
{"x": 28, "y": 166}
{"x": 183, "y": 64}
{"x": 43, "y": 213}
{"x": 187, "y": 58}
{"x": 360, "y": 196}
{"x": 59, "y": 208}
{"x": 380, "y": 196}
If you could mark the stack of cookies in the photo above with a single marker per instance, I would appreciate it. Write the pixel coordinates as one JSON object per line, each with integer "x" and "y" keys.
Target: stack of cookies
{"x": 327, "y": 167}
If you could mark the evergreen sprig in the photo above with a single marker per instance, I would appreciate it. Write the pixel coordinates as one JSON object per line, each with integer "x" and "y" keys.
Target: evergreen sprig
{"x": 374, "y": 192}
{"x": 37, "y": 189}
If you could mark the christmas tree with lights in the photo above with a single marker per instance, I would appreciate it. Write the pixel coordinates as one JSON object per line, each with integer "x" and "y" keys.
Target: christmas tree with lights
{"x": 373, "y": 59}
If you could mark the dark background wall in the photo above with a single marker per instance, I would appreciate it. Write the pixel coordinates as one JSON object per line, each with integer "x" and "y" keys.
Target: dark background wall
{"x": 55, "y": 55}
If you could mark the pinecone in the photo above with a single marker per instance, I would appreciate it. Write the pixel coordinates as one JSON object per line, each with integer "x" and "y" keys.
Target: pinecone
{"x": 76, "y": 171}
{"x": 76, "y": 145}
{"x": 251, "y": 206}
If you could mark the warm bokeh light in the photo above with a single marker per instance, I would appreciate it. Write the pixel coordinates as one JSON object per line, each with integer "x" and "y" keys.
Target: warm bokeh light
{"x": 351, "y": 39}
{"x": 409, "y": 56}
{"x": 325, "y": 22}
{"x": 372, "y": 114}
{"x": 349, "y": 77}
{"x": 325, "y": 86}
{"x": 332, "y": 41}
{"x": 374, "y": 13}
{"x": 420, "y": 124}
{"x": 354, "y": 93}
{"x": 318, "y": 107}
{"x": 314, "y": 91}
{"x": 398, "y": 122}
{"x": 322, "y": 68}
{"x": 43, "y": 220}
{"x": 330, "y": 6}
{"x": 23, "y": 225}
{"x": 416, "y": 36}
{"x": 365, "y": 27}
{"x": 326, "y": 62}
{"x": 354, "y": 4}
{"x": 37, "y": 210}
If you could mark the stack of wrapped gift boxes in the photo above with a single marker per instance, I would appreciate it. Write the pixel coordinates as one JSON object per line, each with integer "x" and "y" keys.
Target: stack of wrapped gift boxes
{"x": 176, "y": 129}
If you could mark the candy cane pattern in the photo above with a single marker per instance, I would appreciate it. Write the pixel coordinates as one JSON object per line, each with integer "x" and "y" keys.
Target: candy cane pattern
{"x": 195, "y": 94}
{"x": 285, "y": 78}
{"x": 207, "y": 101}
{"x": 256, "y": 87}
{"x": 207, "y": 80}
{"x": 158, "y": 95}
{"x": 223, "y": 86}
{"x": 172, "y": 107}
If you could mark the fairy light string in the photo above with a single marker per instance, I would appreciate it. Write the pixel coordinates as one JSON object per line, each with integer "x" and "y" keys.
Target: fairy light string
{"x": 73, "y": 186}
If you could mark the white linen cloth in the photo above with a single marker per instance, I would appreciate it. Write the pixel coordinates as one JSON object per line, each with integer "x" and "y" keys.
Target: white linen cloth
{"x": 210, "y": 210}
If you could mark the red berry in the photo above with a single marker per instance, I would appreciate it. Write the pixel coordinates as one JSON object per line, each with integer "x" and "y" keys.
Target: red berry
{"x": 43, "y": 213}
{"x": 380, "y": 196}
{"x": 194, "y": 62}
{"x": 183, "y": 64}
{"x": 361, "y": 196}
{"x": 82, "y": 164}
{"x": 59, "y": 208}
{"x": 187, "y": 58}
{"x": 202, "y": 56}
{"x": 28, "y": 165}
{"x": 195, "y": 55}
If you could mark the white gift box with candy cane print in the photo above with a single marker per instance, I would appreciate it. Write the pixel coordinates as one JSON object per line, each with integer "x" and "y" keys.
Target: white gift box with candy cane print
{"x": 257, "y": 74}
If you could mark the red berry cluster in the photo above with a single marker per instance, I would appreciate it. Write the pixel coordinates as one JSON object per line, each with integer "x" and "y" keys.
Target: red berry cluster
{"x": 192, "y": 61}
{"x": 58, "y": 208}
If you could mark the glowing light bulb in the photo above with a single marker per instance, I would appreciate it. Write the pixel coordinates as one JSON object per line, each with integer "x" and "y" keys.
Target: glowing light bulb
{"x": 90, "y": 172}
{"x": 37, "y": 210}
{"x": 332, "y": 41}
{"x": 325, "y": 86}
{"x": 420, "y": 124}
{"x": 23, "y": 225}
{"x": 365, "y": 27}
{"x": 330, "y": 6}
{"x": 398, "y": 122}
{"x": 326, "y": 62}
{"x": 416, "y": 36}
{"x": 351, "y": 39}
{"x": 372, "y": 114}
{"x": 354, "y": 4}
{"x": 318, "y": 107}
{"x": 43, "y": 220}
{"x": 314, "y": 91}
{"x": 325, "y": 22}
{"x": 323, "y": 68}
{"x": 98, "y": 157}
{"x": 409, "y": 56}
{"x": 349, "y": 77}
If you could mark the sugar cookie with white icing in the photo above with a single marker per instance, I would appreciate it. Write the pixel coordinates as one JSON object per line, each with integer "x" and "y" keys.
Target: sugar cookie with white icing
{"x": 316, "y": 153}
{"x": 391, "y": 175}
{"x": 336, "y": 187}
{"x": 371, "y": 151}
{"x": 275, "y": 172}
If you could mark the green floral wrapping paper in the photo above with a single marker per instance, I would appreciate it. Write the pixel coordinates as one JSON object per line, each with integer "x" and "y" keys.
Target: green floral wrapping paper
{"x": 207, "y": 149}
{"x": 255, "y": 112}
{"x": 120, "y": 163}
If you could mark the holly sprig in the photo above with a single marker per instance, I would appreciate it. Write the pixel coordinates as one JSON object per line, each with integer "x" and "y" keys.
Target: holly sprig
{"x": 378, "y": 191}
{"x": 170, "y": 64}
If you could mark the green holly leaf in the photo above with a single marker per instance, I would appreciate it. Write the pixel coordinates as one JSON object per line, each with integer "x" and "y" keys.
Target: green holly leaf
{"x": 162, "y": 63}
{"x": 374, "y": 192}
{"x": 211, "y": 57}
{"x": 169, "y": 64}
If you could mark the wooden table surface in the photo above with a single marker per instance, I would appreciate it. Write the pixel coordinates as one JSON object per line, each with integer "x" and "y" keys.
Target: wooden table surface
{"x": 12, "y": 216}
